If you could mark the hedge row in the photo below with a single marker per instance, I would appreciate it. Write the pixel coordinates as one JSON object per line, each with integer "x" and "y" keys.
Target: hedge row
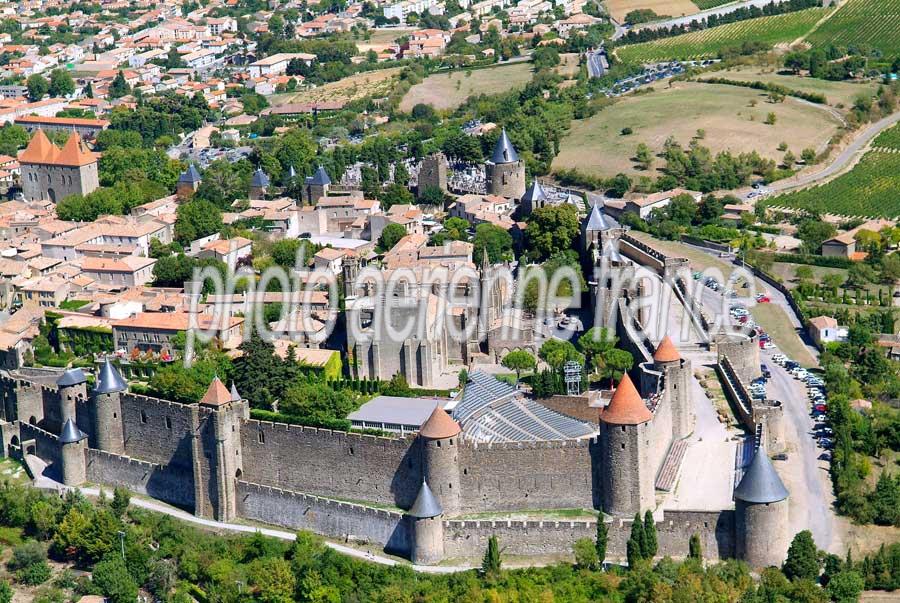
{"x": 812, "y": 97}
{"x": 813, "y": 260}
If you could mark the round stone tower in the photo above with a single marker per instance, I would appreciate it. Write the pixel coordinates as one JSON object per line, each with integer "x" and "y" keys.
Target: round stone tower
{"x": 72, "y": 389}
{"x": 426, "y": 528}
{"x": 72, "y": 444}
{"x": 505, "y": 171}
{"x": 627, "y": 478}
{"x": 677, "y": 374}
{"x": 439, "y": 439}
{"x": 761, "y": 514}
{"x": 108, "y": 409}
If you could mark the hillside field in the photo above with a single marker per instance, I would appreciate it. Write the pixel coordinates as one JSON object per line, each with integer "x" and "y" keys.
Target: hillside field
{"x": 869, "y": 189}
{"x": 597, "y": 146}
{"x": 449, "y": 90}
{"x": 707, "y": 43}
{"x": 369, "y": 83}
{"x": 874, "y": 23}
{"x": 672, "y": 8}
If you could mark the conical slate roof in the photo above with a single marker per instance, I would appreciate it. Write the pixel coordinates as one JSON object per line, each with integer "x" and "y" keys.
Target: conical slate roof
{"x": 611, "y": 252}
{"x": 426, "y": 504}
{"x": 760, "y": 483}
{"x": 666, "y": 351}
{"x": 109, "y": 380}
{"x": 504, "y": 151}
{"x": 70, "y": 433}
{"x": 320, "y": 177}
{"x": 235, "y": 396}
{"x": 216, "y": 394}
{"x": 73, "y": 376}
{"x": 190, "y": 175}
{"x": 439, "y": 425}
{"x": 598, "y": 220}
{"x": 292, "y": 173}
{"x": 626, "y": 407}
{"x": 535, "y": 192}
{"x": 259, "y": 178}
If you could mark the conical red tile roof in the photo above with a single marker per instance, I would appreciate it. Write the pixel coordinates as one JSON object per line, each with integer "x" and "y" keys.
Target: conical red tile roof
{"x": 666, "y": 351}
{"x": 217, "y": 394}
{"x": 74, "y": 154}
{"x": 626, "y": 407}
{"x": 439, "y": 425}
{"x": 39, "y": 150}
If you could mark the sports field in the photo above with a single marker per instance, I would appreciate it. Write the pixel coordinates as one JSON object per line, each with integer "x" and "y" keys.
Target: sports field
{"x": 836, "y": 93}
{"x": 449, "y": 90}
{"x": 869, "y": 189}
{"x": 873, "y": 23}
{"x": 597, "y": 146}
{"x": 708, "y": 43}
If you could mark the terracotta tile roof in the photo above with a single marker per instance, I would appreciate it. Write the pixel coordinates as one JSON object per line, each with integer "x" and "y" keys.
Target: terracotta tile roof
{"x": 439, "y": 425}
{"x": 217, "y": 394}
{"x": 626, "y": 406}
{"x": 666, "y": 351}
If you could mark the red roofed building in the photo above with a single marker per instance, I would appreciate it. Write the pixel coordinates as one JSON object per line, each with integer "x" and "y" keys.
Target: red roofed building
{"x": 51, "y": 173}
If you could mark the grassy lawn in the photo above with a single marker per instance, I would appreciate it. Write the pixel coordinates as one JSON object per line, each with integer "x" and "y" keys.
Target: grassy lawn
{"x": 872, "y": 23}
{"x": 13, "y": 470}
{"x": 597, "y": 146}
{"x": 775, "y": 322}
{"x": 672, "y": 8}
{"x": 360, "y": 85}
{"x": 837, "y": 93}
{"x": 449, "y": 90}
{"x": 707, "y": 43}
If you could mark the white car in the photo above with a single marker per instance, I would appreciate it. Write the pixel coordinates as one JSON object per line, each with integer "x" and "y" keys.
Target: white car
{"x": 779, "y": 358}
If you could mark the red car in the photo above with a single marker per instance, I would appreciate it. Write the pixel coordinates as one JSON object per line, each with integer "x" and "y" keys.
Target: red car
{"x": 821, "y": 407}
{"x": 763, "y": 299}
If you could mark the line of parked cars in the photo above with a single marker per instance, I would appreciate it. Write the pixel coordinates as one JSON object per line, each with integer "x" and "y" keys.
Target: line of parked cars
{"x": 818, "y": 397}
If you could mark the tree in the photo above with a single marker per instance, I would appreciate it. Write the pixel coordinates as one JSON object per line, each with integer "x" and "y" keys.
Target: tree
{"x": 119, "y": 87}
{"x": 890, "y": 268}
{"x": 432, "y": 195}
{"x": 637, "y": 537}
{"x": 37, "y": 87}
{"x": 518, "y": 361}
{"x": 29, "y": 562}
{"x": 557, "y": 352}
{"x": 802, "y": 558}
{"x": 495, "y": 239}
{"x": 845, "y": 586}
{"x": 644, "y": 156}
{"x": 771, "y": 118}
{"x": 196, "y": 219}
{"x": 650, "y": 544}
{"x": 619, "y": 185}
{"x": 120, "y": 501}
{"x": 6, "y": 592}
{"x": 632, "y": 552}
{"x": 391, "y": 234}
{"x": 545, "y": 57}
{"x": 682, "y": 209}
{"x": 694, "y": 548}
{"x": 601, "y": 540}
{"x": 552, "y": 229}
{"x": 596, "y": 341}
{"x": 395, "y": 194}
{"x": 585, "y": 554}
{"x": 273, "y": 580}
{"x": 614, "y": 363}
{"x": 803, "y": 272}
{"x": 490, "y": 564}
{"x": 397, "y": 386}
{"x": 111, "y": 577}
{"x": 61, "y": 83}
{"x": 815, "y": 232}
{"x": 710, "y": 209}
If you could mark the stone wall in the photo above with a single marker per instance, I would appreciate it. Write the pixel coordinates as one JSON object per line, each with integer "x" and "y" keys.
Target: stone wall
{"x": 171, "y": 484}
{"x": 469, "y": 538}
{"x": 324, "y": 516}
{"x": 337, "y": 464}
{"x": 157, "y": 430}
{"x": 532, "y": 475}
{"x": 576, "y": 407}
{"x": 46, "y": 445}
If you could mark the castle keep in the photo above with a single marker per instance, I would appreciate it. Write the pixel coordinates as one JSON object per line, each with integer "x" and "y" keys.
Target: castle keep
{"x": 51, "y": 173}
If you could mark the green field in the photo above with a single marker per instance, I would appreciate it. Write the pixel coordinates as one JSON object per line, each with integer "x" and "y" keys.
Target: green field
{"x": 874, "y": 23}
{"x": 869, "y": 189}
{"x": 889, "y": 139}
{"x": 709, "y": 42}
{"x": 708, "y": 4}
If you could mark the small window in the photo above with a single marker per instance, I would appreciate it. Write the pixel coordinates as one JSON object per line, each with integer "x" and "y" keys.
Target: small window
{"x": 351, "y": 451}
{"x": 143, "y": 417}
{"x": 261, "y": 436}
{"x": 623, "y": 445}
{"x": 168, "y": 423}
{"x": 623, "y": 428}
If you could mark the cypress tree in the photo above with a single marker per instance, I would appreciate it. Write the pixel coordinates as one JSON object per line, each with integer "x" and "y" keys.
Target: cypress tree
{"x": 602, "y": 538}
{"x": 650, "y": 542}
{"x": 490, "y": 565}
{"x": 694, "y": 549}
{"x": 632, "y": 551}
{"x": 637, "y": 536}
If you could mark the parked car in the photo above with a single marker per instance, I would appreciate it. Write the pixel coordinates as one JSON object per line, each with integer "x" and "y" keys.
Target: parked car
{"x": 765, "y": 371}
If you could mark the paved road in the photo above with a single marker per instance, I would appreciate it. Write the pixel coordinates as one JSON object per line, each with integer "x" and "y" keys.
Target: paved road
{"x": 844, "y": 159}
{"x": 719, "y": 10}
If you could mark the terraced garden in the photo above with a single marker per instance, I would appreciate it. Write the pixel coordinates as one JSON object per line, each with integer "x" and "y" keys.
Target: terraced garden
{"x": 708, "y": 43}
{"x": 869, "y": 189}
{"x": 875, "y": 23}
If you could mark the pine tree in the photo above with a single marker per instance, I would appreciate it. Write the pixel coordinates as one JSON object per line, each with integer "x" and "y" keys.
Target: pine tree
{"x": 694, "y": 549}
{"x": 650, "y": 541}
{"x": 490, "y": 565}
{"x": 802, "y": 558}
{"x": 89, "y": 90}
{"x": 602, "y": 538}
